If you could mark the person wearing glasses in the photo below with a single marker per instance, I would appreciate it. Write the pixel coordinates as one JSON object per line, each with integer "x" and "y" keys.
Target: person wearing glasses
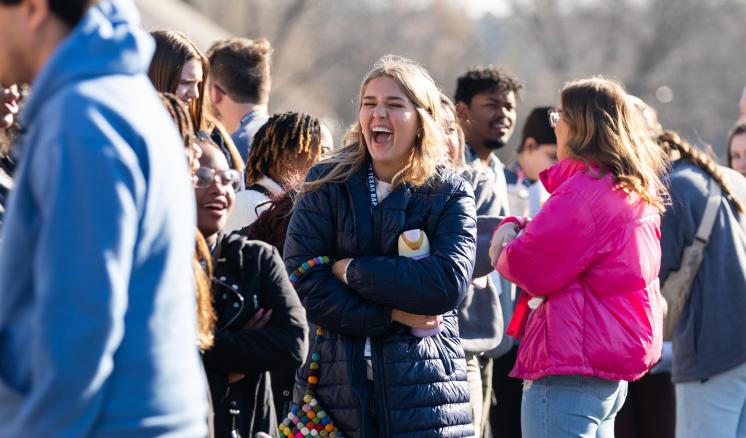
{"x": 284, "y": 149}
{"x": 591, "y": 316}
{"x": 261, "y": 325}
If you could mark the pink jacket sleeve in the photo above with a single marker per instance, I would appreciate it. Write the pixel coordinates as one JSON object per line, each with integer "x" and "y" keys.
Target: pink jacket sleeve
{"x": 555, "y": 247}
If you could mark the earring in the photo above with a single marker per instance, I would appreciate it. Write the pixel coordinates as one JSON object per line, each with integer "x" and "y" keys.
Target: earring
{"x": 419, "y": 134}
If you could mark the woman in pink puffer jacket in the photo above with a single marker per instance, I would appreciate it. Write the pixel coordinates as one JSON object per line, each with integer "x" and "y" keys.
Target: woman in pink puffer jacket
{"x": 591, "y": 316}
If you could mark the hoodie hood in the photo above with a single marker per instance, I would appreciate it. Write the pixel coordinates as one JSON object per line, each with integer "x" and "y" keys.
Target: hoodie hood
{"x": 107, "y": 41}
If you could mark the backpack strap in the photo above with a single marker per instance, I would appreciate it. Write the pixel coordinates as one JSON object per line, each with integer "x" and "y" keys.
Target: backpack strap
{"x": 711, "y": 211}
{"x": 678, "y": 285}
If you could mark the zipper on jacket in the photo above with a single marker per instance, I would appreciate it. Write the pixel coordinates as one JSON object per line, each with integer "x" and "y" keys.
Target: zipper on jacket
{"x": 378, "y": 380}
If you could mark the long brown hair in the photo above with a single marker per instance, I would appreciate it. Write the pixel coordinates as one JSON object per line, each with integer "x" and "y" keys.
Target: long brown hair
{"x": 429, "y": 150}
{"x": 607, "y": 129}
{"x": 202, "y": 260}
{"x": 670, "y": 142}
{"x": 172, "y": 51}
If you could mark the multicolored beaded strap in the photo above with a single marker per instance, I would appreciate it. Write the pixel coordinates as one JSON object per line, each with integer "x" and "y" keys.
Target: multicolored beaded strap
{"x": 307, "y": 266}
{"x": 310, "y": 419}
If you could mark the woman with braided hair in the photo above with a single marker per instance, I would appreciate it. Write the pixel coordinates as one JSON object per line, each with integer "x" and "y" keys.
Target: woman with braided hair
{"x": 284, "y": 149}
{"x": 709, "y": 353}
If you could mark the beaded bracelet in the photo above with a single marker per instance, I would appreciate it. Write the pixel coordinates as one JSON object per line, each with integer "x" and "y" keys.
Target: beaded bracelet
{"x": 307, "y": 266}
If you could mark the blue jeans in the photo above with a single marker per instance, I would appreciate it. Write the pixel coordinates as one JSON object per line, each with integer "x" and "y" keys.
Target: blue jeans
{"x": 713, "y": 408}
{"x": 571, "y": 406}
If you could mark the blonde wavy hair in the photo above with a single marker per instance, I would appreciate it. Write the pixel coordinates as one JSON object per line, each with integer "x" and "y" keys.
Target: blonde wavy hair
{"x": 429, "y": 150}
{"x": 607, "y": 129}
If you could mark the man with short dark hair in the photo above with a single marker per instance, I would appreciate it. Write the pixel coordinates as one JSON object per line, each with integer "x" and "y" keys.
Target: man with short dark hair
{"x": 537, "y": 151}
{"x": 239, "y": 87}
{"x": 486, "y": 101}
{"x": 97, "y": 305}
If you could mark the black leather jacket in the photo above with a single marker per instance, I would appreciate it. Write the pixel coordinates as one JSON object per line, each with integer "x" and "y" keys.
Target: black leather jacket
{"x": 248, "y": 275}
{"x": 419, "y": 386}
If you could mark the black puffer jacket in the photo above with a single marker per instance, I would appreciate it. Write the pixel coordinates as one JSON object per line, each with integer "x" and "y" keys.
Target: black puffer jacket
{"x": 249, "y": 275}
{"x": 419, "y": 387}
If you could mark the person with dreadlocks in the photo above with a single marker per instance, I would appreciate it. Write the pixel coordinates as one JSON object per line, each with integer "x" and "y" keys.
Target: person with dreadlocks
{"x": 709, "y": 355}
{"x": 284, "y": 149}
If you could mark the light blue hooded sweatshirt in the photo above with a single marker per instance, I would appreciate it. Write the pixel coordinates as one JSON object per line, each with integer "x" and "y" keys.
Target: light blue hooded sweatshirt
{"x": 97, "y": 306}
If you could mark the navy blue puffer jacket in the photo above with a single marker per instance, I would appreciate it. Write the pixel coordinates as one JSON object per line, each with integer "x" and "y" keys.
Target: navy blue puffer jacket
{"x": 419, "y": 387}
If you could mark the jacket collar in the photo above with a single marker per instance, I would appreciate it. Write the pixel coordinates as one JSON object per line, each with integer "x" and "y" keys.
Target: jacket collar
{"x": 395, "y": 204}
{"x": 553, "y": 177}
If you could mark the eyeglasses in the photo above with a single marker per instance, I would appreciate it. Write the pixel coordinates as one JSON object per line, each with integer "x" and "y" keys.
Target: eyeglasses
{"x": 205, "y": 176}
{"x": 554, "y": 117}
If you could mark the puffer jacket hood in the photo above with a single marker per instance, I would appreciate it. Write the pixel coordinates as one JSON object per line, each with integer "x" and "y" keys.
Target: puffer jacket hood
{"x": 593, "y": 252}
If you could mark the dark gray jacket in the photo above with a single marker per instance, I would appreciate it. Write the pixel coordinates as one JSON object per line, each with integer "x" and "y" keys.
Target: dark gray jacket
{"x": 494, "y": 193}
{"x": 711, "y": 335}
{"x": 480, "y": 317}
{"x": 249, "y": 275}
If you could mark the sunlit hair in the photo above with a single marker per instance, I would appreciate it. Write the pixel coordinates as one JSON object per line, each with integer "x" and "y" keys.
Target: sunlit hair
{"x": 450, "y": 121}
{"x": 201, "y": 262}
{"x": 285, "y": 138}
{"x": 215, "y": 127}
{"x": 180, "y": 115}
{"x": 606, "y": 129}
{"x": 429, "y": 150}
{"x": 242, "y": 67}
{"x": 649, "y": 116}
{"x": 737, "y": 130}
{"x": 673, "y": 144}
{"x": 172, "y": 51}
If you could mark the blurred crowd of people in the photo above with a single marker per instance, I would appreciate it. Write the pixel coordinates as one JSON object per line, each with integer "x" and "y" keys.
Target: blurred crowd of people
{"x": 169, "y": 243}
